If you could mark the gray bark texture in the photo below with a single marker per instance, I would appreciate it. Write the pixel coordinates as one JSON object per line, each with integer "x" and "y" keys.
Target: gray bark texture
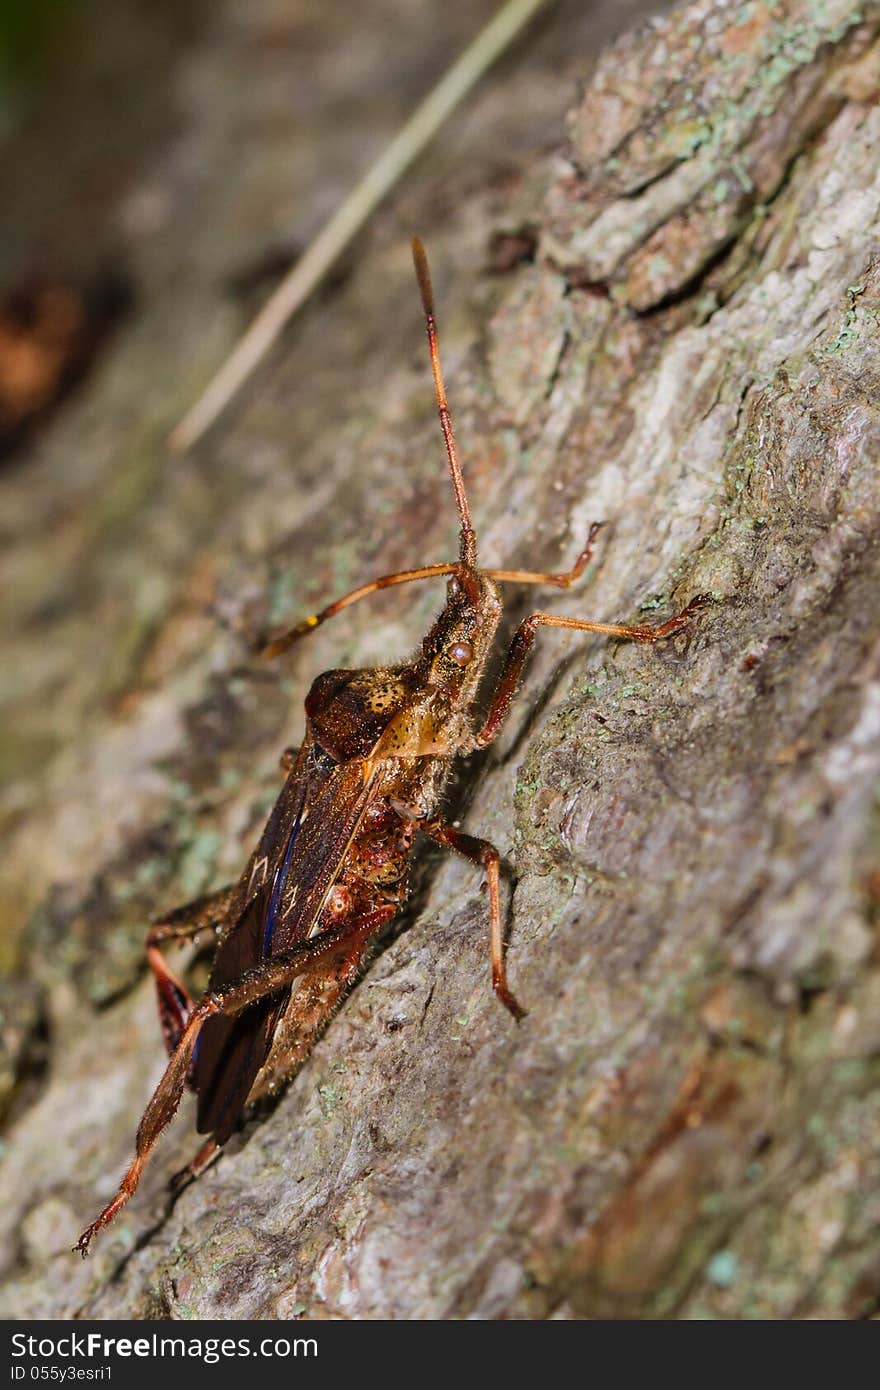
{"x": 687, "y": 1124}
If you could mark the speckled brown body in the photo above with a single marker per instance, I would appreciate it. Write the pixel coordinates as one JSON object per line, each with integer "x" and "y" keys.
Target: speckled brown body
{"x": 335, "y": 853}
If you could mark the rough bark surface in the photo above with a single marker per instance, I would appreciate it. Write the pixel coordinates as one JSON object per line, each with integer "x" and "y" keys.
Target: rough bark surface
{"x": 688, "y": 1122}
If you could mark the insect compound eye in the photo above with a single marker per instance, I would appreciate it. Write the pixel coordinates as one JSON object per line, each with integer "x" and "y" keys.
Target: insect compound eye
{"x": 461, "y": 653}
{"x": 453, "y": 588}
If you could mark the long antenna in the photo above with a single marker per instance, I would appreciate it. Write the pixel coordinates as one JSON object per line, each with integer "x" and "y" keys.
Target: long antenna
{"x": 468, "y": 537}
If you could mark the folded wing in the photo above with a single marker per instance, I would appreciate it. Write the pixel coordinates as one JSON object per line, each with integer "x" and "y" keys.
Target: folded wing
{"x": 305, "y": 842}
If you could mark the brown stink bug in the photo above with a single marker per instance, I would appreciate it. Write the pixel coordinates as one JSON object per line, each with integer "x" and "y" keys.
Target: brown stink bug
{"x": 332, "y": 864}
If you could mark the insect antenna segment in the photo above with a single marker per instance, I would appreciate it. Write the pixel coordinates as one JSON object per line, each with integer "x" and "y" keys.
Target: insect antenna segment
{"x": 468, "y": 549}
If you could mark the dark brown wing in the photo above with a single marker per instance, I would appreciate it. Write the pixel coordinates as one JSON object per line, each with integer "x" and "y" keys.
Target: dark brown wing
{"x": 230, "y": 1051}
{"x": 324, "y": 804}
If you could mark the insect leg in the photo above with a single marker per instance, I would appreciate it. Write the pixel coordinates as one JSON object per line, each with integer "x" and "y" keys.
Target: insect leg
{"x": 561, "y": 581}
{"x": 174, "y": 1000}
{"x": 186, "y": 922}
{"x": 481, "y": 852}
{"x": 310, "y": 1009}
{"x": 525, "y": 636}
{"x": 271, "y": 977}
{"x": 203, "y": 1159}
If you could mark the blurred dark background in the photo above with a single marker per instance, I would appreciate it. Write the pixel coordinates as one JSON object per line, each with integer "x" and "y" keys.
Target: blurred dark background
{"x": 161, "y": 166}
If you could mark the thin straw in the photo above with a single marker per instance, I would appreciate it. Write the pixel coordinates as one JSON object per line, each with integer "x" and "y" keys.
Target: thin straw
{"x": 320, "y": 255}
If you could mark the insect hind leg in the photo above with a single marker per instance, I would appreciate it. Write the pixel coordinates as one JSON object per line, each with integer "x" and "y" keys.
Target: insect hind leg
{"x": 194, "y": 1169}
{"x": 175, "y": 1003}
{"x": 273, "y": 976}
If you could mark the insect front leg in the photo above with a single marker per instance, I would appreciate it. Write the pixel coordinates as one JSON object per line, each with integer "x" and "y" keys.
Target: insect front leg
{"x": 285, "y": 640}
{"x": 272, "y": 977}
{"x": 175, "y": 1003}
{"x": 525, "y": 636}
{"x": 561, "y": 581}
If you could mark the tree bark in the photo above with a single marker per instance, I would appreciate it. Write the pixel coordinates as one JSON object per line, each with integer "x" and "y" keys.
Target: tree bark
{"x": 686, "y": 347}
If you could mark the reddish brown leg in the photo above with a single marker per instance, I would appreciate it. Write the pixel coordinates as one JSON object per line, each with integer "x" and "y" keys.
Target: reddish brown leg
{"x": 186, "y": 922}
{"x": 203, "y": 1159}
{"x": 310, "y": 1009}
{"x": 525, "y": 636}
{"x": 481, "y": 852}
{"x": 269, "y": 978}
{"x": 174, "y": 1000}
{"x": 561, "y": 581}
{"x": 284, "y": 640}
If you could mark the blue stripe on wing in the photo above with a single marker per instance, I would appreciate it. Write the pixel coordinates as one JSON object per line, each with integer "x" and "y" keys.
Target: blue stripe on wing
{"x": 278, "y": 885}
